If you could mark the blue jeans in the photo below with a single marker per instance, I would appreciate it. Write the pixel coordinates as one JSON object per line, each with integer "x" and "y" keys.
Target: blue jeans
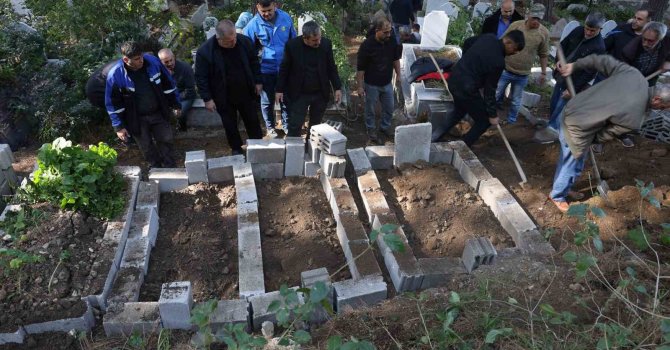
{"x": 556, "y": 106}
{"x": 518, "y": 83}
{"x": 268, "y": 102}
{"x": 385, "y": 95}
{"x": 568, "y": 170}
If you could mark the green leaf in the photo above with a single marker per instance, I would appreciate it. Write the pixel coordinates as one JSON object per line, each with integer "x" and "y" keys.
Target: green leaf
{"x": 665, "y": 326}
{"x": 282, "y": 316}
{"x": 425, "y": 339}
{"x": 577, "y": 210}
{"x": 388, "y": 228}
{"x": 494, "y": 333}
{"x": 570, "y": 256}
{"x": 584, "y": 263}
{"x": 598, "y": 243}
{"x": 284, "y": 342}
{"x": 630, "y": 271}
{"x": 319, "y": 292}
{"x": 373, "y": 235}
{"x": 512, "y": 301}
{"x": 334, "y": 342}
{"x": 639, "y": 238}
{"x": 394, "y": 242}
{"x": 454, "y": 298}
{"x": 302, "y": 337}
{"x": 598, "y": 212}
{"x": 640, "y": 289}
{"x": 654, "y": 202}
{"x": 664, "y": 238}
{"x": 274, "y": 306}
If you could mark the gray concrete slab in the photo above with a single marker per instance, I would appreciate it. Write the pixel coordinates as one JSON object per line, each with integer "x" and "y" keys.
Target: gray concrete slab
{"x": 359, "y": 161}
{"x": 412, "y": 143}
{"x": 441, "y": 153}
{"x": 83, "y": 323}
{"x": 229, "y": 312}
{"x": 265, "y": 151}
{"x": 134, "y": 317}
{"x": 380, "y": 157}
{"x": 195, "y": 163}
{"x": 174, "y": 304}
{"x": 351, "y": 295}
{"x": 169, "y": 179}
{"x": 295, "y": 156}
{"x": 221, "y": 169}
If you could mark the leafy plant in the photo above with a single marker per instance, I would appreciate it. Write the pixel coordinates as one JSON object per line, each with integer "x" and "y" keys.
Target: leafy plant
{"x": 78, "y": 179}
{"x": 200, "y": 317}
{"x": 15, "y": 259}
{"x": 17, "y": 222}
{"x": 137, "y": 341}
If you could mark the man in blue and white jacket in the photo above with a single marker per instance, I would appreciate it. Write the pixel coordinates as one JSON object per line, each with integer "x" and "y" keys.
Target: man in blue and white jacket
{"x": 270, "y": 29}
{"x": 141, "y": 97}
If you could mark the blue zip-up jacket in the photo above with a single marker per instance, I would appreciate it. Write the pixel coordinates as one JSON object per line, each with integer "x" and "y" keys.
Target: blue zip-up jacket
{"x": 120, "y": 88}
{"x": 271, "y": 38}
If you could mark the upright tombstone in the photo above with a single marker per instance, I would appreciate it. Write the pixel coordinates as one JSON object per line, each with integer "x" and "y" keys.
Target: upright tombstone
{"x": 434, "y": 29}
{"x": 319, "y": 17}
{"x": 437, "y": 5}
{"x": 209, "y": 26}
{"x": 569, "y": 28}
{"x": 481, "y": 10}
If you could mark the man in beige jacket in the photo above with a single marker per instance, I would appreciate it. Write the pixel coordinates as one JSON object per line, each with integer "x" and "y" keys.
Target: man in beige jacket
{"x": 614, "y": 106}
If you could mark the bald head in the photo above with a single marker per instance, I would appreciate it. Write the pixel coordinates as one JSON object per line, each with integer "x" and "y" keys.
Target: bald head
{"x": 167, "y": 57}
{"x": 507, "y": 9}
{"x": 226, "y": 35}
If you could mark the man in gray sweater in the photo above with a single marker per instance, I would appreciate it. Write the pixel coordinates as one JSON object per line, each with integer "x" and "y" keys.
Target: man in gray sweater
{"x": 600, "y": 114}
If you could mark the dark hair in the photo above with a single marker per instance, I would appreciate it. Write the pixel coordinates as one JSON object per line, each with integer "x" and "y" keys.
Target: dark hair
{"x": 646, "y": 8}
{"x": 131, "y": 49}
{"x": 265, "y": 3}
{"x": 416, "y": 26}
{"x": 517, "y": 37}
{"x": 310, "y": 29}
{"x": 379, "y": 22}
{"x": 595, "y": 20}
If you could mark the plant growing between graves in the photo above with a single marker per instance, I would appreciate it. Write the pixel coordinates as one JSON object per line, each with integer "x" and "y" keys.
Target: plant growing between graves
{"x": 15, "y": 225}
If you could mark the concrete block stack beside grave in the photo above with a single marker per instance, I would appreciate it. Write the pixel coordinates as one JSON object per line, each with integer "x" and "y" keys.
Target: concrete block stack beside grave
{"x": 221, "y": 169}
{"x": 478, "y": 251}
{"x": 8, "y": 179}
{"x": 332, "y": 148}
{"x": 266, "y": 158}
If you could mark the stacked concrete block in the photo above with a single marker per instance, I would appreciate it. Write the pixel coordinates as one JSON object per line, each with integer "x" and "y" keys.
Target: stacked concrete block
{"x": 402, "y": 266}
{"x": 8, "y": 179}
{"x": 339, "y": 195}
{"x": 126, "y": 287}
{"x": 143, "y": 318}
{"x": 175, "y": 304}
{"x": 359, "y": 161}
{"x": 313, "y": 151}
{"x": 534, "y": 243}
{"x": 515, "y": 221}
{"x": 336, "y": 125}
{"x": 437, "y": 272}
{"x": 478, "y": 251}
{"x": 268, "y": 171}
{"x": 265, "y": 151}
{"x": 13, "y": 338}
{"x": 229, "y": 312}
{"x": 350, "y": 229}
{"x": 148, "y": 196}
{"x": 441, "y": 153}
{"x": 412, "y": 143}
{"x": 311, "y": 168}
{"x": 294, "y": 164}
{"x": 82, "y": 323}
{"x": 196, "y": 167}
{"x": 308, "y": 279}
{"x": 380, "y": 157}
{"x": 472, "y": 172}
{"x": 333, "y": 166}
{"x": 260, "y": 305}
{"x": 372, "y": 195}
{"x": 361, "y": 260}
{"x": 461, "y": 152}
{"x": 353, "y": 294}
{"x": 221, "y": 169}
{"x": 145, "y": 225}
{"x": 328, "y": 139}
{"x": 169, "y": 179}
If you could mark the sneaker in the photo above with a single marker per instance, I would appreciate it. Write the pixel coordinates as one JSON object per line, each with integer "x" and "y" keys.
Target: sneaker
{"x": 627, "y": 142}
{"x": 598, "y": 148}
{"x": 562, "y": 206}
{"x": 272, "y": 134}
{"x": 372, "y": 136}
{"x": 546, "y": 136}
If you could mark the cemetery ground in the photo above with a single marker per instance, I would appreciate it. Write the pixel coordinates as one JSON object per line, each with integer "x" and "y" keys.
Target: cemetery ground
{"x": 530, "y": 300}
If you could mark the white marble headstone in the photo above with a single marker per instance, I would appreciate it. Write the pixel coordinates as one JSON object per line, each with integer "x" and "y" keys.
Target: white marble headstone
{"x": 607, "y": 28}
{"x": 481, "y": 10}
{"x": 437, "y": 5}
{"x": 569, "y": 28}
{"x": 434, "y": 29}
{"x": 319, "y": 17}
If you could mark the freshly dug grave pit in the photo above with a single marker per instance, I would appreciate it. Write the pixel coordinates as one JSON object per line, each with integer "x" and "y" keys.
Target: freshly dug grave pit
{"x": 197, "y": 242}
{"x": 298, "y": 231}
{"x": 447, "y": 52}
{"x": 439, "y": 212}
{"x": 73, "y": 263}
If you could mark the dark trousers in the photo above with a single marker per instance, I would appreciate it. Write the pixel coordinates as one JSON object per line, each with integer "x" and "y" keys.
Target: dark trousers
{"x": 247, "y": 109}
{"x": 298, "y": 111}
{"x": 156, "y": 141}
{"x": 472, "y": 104}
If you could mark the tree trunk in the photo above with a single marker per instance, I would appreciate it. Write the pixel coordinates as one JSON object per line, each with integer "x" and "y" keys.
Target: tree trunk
{"x": 659, "y": 7}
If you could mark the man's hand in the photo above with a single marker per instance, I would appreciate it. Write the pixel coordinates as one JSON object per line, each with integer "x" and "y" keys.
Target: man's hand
{"x": 210, "y": 106}
{"x": 279, "y": 96}
{"x": 494, "y": 120}
{"x": 566, "y": 69}
{"x": 338, "y": 96}
{"x": 123, "y": 135}
{"x": 566, "y": 95}
{"x": 361, "y": 91}
{"x": 259, "y": 89}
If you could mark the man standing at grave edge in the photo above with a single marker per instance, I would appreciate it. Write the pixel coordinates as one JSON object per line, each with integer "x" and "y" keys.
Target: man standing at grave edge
{"x": 499, "y": 21}
{"x": 139, "y": 96}
{"x": 305, "y": 77}
{"x": 228, "y": 76}
{"x": 479, "y": 69}
{"x": 270, "y": 29}
{"x": 517, "y": 67}
{"x": 182, "y": 73}
{"x": 378, "y": 57}
{"x": 402, "y": 14}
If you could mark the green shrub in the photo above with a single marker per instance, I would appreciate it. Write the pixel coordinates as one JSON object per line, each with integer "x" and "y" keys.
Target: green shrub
{"x": 78, "y": 179}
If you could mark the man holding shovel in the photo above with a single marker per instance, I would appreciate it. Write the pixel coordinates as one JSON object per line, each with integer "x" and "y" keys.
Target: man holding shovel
{"x": 600, "y": 114}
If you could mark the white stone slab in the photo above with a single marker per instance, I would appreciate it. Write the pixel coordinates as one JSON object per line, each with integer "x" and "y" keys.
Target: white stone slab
{"x": 412, "y": 143}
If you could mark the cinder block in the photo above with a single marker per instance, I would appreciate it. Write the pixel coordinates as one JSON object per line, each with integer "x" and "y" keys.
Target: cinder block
{"x": 196, "y": 166}
{"x": 308, "y": 280}
{"x": 478, "y": 251}
{"x": 490, "y": 252}
{"x": 314, "y": 151}
{"x": 229, "y": 312}
{"x": 368, "y": 182}
{"x": 312, "y": 169}
{"x": 359, "y": 161}
{"x": 13, "y": 338}
{"x": 295, "y": 156}
{"x": 329, "y": 140}
{"x": 144, "y": 224}
{"x": 336, "y": 125}
{"x": 515, "y": 221}
{"x": 350, "y": 229}
{"x": 83, "y": 323}
{"x": 530, "y": 99}
{"x": 126, "y": 287}
{"x": 412, "y": 143}
{"x": 495, "y": 195}
{"x": 250, "y": 261}
{"x": 268, "y": 170}
{"x": 169, "y": 179}
{"x": 361, "y": 260}
{"x": 375, "y": 203}
{"x": 333, "y": 166}
{"x": 403, "y": 268}
{"x": 260, "y": 304}
{"x": 127, "y": 170}
{"x": 532, "y": 242}
{"x": 137, "y": 253}
{"x": 242, "y": 170}
{"x": 148, "y": 196}
{"x": 342, "y": 201}
{"x": 245, "y": 189}
{"x": 472, "y": 171}
{"x": 461, "y": 152}
{"x": 437, "y": 272}
{"x": 221, "y": 169}
{"x": 350, "y": 294}
{"x": 441, "y": 153}
{"x": 143, "y": 318}
{"x": 265, "y": 151}
{"x": 380, "y": 157}
{"x": 175, "y": 304}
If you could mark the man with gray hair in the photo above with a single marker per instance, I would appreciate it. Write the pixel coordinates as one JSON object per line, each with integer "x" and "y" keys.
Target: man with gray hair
{"x": 306, "y": 75}
{"x": 182, "y": 73}
{"x": 612, "y": 107}
{"x": 228, "y": 76}
{"x": 650, "y": 51}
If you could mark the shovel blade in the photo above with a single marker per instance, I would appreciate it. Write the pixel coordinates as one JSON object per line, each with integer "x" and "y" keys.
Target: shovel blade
{"x": 603, "y": 189}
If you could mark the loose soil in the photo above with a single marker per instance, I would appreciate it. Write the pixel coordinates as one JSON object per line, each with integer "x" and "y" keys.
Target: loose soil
{"x": 197, "y": 242}
{"x": 439, "y": 212}
{"x": 448, "y": 53}
{"x": 25, "y": 295}
{"x": 298, "y": 232}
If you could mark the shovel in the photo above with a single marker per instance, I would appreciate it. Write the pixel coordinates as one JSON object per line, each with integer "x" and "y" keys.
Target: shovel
{"x": 602, "y": 186}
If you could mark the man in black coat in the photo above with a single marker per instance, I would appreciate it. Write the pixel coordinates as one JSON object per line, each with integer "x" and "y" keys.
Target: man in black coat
{"x": 305, "y": 76}
{"x": 618, "y": 38}
{"x": 499, "y": 21}
{"x": 479, "y": 68}
{"x": 228, "y": 76}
